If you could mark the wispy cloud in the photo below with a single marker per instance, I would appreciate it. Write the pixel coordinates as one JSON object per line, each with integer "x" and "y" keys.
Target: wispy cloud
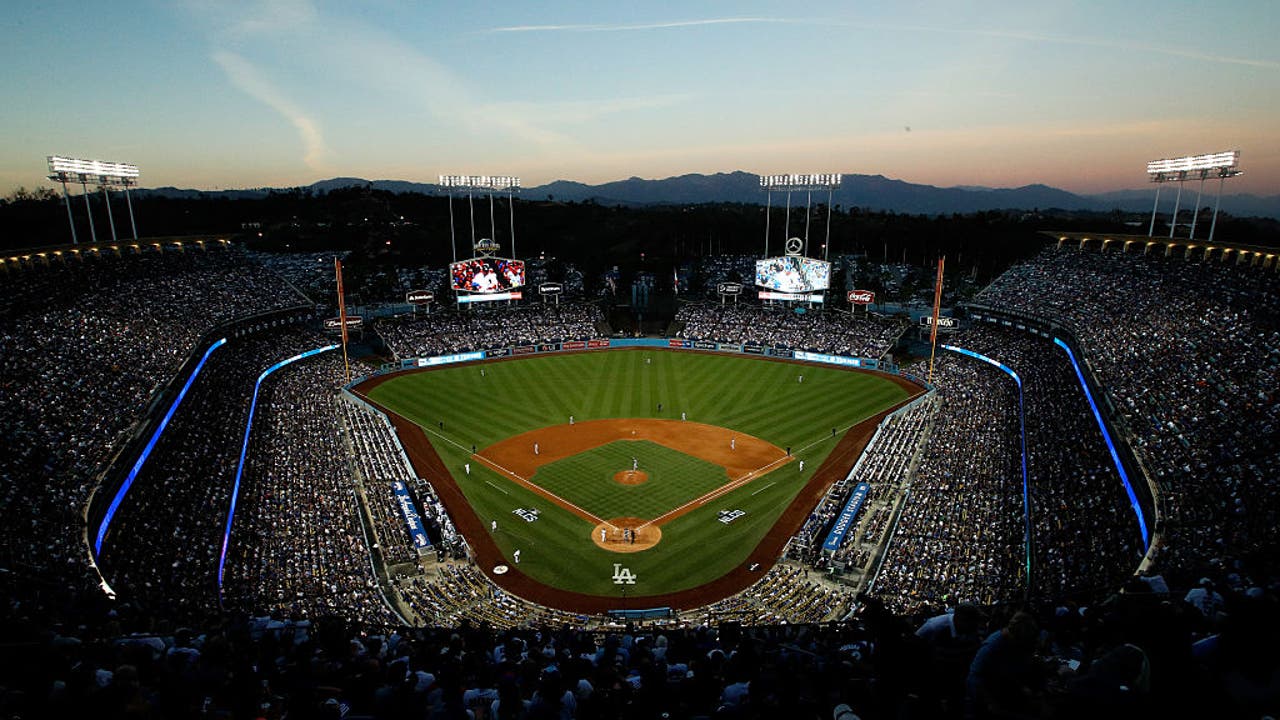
{"x": 623, "y": 27}
{"x": 249, "y": 80}
{"x": 898, "y": 27}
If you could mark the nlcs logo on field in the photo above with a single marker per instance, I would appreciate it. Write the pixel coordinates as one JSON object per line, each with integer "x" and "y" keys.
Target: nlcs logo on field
{"x": 623, "y": 576}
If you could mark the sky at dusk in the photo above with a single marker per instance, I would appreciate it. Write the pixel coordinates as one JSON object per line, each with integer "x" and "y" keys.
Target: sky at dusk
{"x": 223, "y": 94}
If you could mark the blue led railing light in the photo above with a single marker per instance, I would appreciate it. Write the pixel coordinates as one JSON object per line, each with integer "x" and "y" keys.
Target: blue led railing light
{"x": 1106, "y": 437}
{"x": 1022, "y": 424}
{"x": 146, "y": 451}
{"x": 244, "y": 449}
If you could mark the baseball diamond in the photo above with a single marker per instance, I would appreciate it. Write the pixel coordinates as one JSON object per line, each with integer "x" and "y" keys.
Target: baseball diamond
{"x": 630, "y": 466}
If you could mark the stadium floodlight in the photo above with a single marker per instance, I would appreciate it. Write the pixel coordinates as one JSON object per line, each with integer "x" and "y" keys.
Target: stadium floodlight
{"x": 99, "y": 171}
{"x": 820, "y": 181}
{"x": 1226, "y": 163}
{"x": 482, "y": 183}
{"x": 1221, "y": 165}
{"x": 796, "y": 182}
{"x": 102, "y": 173}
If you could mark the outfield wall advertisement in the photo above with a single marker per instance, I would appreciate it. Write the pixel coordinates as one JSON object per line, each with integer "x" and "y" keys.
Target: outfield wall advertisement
{"x": 674, "y": 343}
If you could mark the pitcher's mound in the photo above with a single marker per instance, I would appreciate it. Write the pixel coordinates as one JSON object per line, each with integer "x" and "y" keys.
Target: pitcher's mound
{"x": 631, "y": 477}
{"x": 641, "y": 536}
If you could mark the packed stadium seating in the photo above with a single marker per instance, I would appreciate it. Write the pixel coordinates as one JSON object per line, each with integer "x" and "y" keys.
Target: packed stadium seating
{"x": 1187, "y": 352}
{"x": 829, "y": 332}
{"x": 86, "y": 342}
{"x": 447, "y": 331}
{"x": 309, "y": 622}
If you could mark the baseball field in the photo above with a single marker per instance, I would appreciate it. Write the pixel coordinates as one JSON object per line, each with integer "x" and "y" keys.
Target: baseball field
{"x": 627, "y": 479}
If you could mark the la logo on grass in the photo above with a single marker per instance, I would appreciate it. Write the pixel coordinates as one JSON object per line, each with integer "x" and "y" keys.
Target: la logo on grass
{"x": 623, "y": 576}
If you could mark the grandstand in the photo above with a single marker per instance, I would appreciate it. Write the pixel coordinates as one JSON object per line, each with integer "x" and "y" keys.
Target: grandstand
{"x": 1095, "y": 473}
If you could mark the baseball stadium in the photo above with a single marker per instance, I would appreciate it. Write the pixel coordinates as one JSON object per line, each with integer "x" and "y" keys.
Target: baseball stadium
{"x": 659, "y": 481}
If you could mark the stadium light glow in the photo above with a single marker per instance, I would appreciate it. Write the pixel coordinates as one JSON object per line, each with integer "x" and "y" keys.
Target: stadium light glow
{"x": 1223, "y": 161}
{"x": 800, "y": 182}
{"x": 107, "y": 173}
{"x": 480, "y": 182}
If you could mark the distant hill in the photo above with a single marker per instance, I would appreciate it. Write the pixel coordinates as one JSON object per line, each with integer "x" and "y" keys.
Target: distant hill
{"x": 873, "y": 192}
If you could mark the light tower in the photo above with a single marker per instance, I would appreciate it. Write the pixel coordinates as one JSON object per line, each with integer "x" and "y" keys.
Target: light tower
{"x": 106, "y": 175}
{"x": 1220, "y": 165}
{"x": 796, "y": 183}
{"x": 482, "y": 183}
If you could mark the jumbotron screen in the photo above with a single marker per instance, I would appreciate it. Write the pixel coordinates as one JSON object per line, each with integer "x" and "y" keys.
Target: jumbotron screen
{"x": 793, "y": 274}
{"x": 487, "y": 275}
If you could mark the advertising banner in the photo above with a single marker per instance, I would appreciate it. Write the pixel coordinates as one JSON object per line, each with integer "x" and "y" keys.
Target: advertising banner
{"x": 704, "y": 345}
{"x": 573, "y": 345}
{"x": 597, "y": 343}
{"x": 411, "y": 519}
{"x": 831, "y": 359}
{"x": 500, "y": 352}
{"x": 861, "y": 297}
{"x": 779, "y": 352}
{"x": 548, "y": 347}
{"x": 450, "y": 359}
{"x": 523, "y": 350}
{"x": 753, "y": 349}
{"x": 847, "y": 515}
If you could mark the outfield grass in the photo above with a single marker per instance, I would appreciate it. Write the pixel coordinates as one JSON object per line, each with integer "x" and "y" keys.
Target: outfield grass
{"x": 750, "y": 395}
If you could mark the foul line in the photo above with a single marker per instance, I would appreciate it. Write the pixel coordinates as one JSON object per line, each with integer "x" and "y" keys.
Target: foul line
{"x": 520, "y": 480}
{"x": 495, "y": 487}
{"x": 734, "y": 484}
{"x": 766, "y": 487}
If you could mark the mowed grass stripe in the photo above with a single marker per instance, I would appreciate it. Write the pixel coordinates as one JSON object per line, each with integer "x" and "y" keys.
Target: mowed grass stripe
{"x": 749, "y": 394}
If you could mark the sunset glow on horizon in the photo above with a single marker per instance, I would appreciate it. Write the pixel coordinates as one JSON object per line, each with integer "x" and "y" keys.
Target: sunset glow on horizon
{"x": 206, "y": 94}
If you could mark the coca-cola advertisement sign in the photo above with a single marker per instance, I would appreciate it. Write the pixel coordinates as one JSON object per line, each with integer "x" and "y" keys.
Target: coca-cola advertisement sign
{"x": 861, "y": 297}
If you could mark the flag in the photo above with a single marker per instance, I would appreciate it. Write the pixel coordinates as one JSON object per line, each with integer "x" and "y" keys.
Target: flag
{"x": 675, "y": 280}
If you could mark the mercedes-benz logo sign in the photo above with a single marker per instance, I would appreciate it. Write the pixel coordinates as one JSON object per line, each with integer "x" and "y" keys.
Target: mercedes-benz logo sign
{"x": 794, "y": 246}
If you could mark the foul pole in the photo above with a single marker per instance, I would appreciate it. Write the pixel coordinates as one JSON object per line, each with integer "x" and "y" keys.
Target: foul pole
{"x": 937, "y": 305}
{"x": 342, "y": 318}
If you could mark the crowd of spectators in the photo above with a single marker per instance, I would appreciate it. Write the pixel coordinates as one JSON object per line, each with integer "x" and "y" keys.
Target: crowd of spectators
{"x": 960, "y": 533}
{"x": 786, "y": 594}
{"x": 457, "y": 593}
{"x": 827, "y": 332}
{"x": 477, "y": 328}
{"x": 1188, "y": 353}
{"x": 1138, "y": 654}
{"x": 885, "y": 466}
{"x": 1084, "y": 533}
{"x": 163, "y": 548}
{"x": 86, "y": 341}
{"x": 379, "y": 464}
{"x": 304, "y": 633}
{"x": 297, "y": 545}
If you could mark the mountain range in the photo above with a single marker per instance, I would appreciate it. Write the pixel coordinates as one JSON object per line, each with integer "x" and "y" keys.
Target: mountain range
{"x": 873, "y": 192}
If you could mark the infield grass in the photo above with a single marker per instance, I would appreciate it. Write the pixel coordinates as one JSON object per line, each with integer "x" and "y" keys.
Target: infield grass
{"x": 460, "y": 408}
